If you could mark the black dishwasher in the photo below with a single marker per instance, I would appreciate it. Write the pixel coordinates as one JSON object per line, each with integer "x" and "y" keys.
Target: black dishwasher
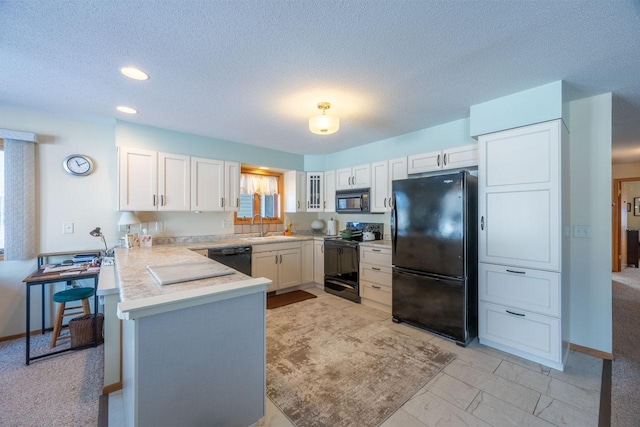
{"x": 236, "y": 257}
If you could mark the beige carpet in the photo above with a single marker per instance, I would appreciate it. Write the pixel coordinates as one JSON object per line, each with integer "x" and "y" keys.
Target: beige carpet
{"x": 328, "y": 367}
{"x": 625, "y": 370}
{"x": 61, "y": 390}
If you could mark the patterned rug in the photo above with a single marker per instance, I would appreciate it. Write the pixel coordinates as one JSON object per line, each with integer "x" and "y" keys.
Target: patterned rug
{"x": 61, "y": 390}
{"x": 328, "y": 367}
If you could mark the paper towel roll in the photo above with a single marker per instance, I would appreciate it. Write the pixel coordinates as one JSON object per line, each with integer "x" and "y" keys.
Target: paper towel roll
{"x": 331, "y": 227}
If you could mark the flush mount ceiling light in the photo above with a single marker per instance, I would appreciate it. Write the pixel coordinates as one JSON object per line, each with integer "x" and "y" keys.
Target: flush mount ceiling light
{"x": 134, "y": 73}
{"x": 127, "y": 110}
{"x": 323, "y": 124}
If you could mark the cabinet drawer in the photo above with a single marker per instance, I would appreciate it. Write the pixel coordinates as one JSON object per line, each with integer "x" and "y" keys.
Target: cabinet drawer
{"x": 375, "y": 256}
{"x": 532, "y": 290}
{"x": 375, "y": 274}
{"x": 375, "y": 292}
{"x": 521, "y": 330}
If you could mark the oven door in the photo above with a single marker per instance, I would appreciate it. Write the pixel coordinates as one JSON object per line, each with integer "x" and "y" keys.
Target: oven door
{"x": 341, "y": 264}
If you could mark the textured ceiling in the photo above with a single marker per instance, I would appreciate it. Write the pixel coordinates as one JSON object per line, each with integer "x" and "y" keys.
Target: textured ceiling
{"x": 252, "y": 71}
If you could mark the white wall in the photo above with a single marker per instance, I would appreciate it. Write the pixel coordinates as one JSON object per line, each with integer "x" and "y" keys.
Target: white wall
{"x": 88, "y": 202}
{"x": 590, "y": 127}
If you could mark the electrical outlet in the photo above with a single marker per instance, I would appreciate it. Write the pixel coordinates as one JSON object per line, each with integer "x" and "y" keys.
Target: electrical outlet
{"x": 582, "y": 231}
{"x": 67, "y": 228}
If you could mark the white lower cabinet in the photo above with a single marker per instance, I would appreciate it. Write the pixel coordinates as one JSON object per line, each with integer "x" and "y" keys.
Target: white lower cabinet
{"x": 306, "y": 261}
{"x": 318, "y": 261}
{"x": 279, "y": 262}
{"x": 375, "y": 277}
{"x": 523, "y": 333}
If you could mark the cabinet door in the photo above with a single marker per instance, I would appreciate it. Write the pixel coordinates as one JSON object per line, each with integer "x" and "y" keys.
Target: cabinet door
{"x": 231, "y": 186}
{"x": 380, "y": 187}
{"x": 460, "y": 157}
{"x": 306, "y": 261}
{"x": 343, "y": 179}
{"x": 138, "y": 179}
{"x": 361, "y": 176}
{"x": 207, "y": 184}
{"x": 301, "y": 190}
{"x": 330, "y": 191}
{"x": 424, "y": 162}
{"x": 174, "y": 182}
{"x": 315, "y": 196}
{"x": 519, "y": 197}
{"x": 397, "y": 171}
{"x": 318, "y": 261}
{"x": 265, "y": 264}
{"x": 288, "y": 268}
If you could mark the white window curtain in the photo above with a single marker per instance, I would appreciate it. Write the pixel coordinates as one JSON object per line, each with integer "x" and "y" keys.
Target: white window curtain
{"x": 258, "y": 184}
{"x": 20, "y": 197}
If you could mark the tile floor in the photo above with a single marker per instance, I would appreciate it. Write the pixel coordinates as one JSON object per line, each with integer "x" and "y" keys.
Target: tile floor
{"x": 481, "y": 387}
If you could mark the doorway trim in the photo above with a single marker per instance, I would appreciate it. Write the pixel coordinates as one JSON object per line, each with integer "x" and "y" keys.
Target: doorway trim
{"x": 616, "y": 229}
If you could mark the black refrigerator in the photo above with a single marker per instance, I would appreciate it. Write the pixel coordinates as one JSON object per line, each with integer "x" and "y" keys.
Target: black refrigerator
{"x": 435, "y": 255}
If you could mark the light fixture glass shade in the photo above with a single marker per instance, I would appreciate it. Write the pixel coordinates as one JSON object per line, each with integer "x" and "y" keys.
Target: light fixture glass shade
{"x": 128, "y": 218}
{"x": 324, "y": 124}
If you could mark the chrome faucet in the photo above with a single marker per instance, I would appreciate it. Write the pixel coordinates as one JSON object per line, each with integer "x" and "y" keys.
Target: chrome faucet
{"x": 261, "y": 228}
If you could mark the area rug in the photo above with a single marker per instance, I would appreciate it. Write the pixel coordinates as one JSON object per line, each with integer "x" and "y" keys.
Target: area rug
{"x": 61, "y": 390}
{"x": 281, "y": 300}
{"x": 328, "y": 367}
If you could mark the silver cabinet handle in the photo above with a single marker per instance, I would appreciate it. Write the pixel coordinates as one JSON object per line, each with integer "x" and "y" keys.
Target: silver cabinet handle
{"x": 222, "y": 202}
{"x": 482, "y": 223}
{"x": 280, "y": 259}
{"x": 324, "y": 204}
{"x": 375, "y": 286}
{"x": 445, "y": 159}
{"x": 385, "y": 202}
{"x": 515, "y": 314}
{"x": 375, "y": 268}
{"x": 154, "y": 200}
{"x": 237, "y": 202}
{"x": 438, "y": 161}
{"x": 516, "y": 271}
{"x": 162, "y": 200}
{"x": 298, "y": 204}
{"x": 375, "y": 250}
{"x": 276, "y": 259}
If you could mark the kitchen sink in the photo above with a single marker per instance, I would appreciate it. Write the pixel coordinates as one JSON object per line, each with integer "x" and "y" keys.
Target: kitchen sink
{"x": 263, "y": 238}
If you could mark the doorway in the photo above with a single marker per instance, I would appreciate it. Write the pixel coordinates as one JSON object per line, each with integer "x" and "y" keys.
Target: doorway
{"x": 625, "y": 215}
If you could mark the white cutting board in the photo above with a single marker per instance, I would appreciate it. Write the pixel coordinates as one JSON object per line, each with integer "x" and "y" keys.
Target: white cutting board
{"x": 176, "y": 273}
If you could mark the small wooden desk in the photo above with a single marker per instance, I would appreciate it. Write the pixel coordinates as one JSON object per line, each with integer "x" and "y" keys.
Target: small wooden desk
{"x": 38, "y": 277}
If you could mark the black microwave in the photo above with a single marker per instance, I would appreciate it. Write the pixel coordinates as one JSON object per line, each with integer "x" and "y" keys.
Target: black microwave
{"x": 352, "y": 201}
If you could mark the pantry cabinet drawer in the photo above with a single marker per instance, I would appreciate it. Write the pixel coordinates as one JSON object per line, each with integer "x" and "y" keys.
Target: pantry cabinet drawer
{"x": 532, "y": 290}
{"x": 520, "y": 330}
{"x": 376, "y": 256}
{"x": 375, "y": 292}
{"x": 375, "y": 274}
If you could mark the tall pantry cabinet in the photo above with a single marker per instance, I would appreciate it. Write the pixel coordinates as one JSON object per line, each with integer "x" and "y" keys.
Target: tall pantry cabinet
{"x": 523, "y": 253}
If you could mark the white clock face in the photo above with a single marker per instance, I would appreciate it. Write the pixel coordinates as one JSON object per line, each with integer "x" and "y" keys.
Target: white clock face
{"x": 77, "y": 164}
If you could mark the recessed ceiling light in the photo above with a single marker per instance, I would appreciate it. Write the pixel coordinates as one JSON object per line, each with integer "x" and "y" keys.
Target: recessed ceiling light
{"x": 134, "y": 73}
{"x": 127, "y": 110}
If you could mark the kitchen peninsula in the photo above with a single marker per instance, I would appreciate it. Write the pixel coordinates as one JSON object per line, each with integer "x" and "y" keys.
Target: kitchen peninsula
{"x": 193, "y": 352}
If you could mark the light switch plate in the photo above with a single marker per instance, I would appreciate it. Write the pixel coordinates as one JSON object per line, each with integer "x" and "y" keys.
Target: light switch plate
{"x": 582, "y": 231}
{"x": 67, "y": 228}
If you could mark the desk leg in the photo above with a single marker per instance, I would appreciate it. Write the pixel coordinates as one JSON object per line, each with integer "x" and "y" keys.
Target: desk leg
{"x": 28, "y": 332}
{"x": 95, "y": 310}
{"x": 42, "y": 309}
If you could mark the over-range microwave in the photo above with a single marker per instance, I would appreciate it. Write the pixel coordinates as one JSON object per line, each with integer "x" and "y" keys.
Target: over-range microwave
{"x": 352, "y": 201}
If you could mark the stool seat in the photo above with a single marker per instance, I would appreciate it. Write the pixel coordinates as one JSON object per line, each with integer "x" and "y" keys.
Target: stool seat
{"x": 75, "y": 294}
{"x": 62, "y": 298}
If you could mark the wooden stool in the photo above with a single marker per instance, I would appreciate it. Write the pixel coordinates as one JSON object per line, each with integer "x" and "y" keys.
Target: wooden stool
{"x": 62, "y": 298}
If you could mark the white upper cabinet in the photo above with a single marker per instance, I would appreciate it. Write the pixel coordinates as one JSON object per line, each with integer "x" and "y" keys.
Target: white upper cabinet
{"x": 315, "y": 193}
{"x": 451, "y": 158}
{"x": 382, "y": 175}
{"x": 231, "y": 186}
{"x": 330, "y": 191}
{"x": 174, "y": 178}
{"x": 295, "y": 191}
{"x": 207, "y": 184}
{"x": 519, "y": 197}
{"x": 151, "y": 181}
{"x": 355, "y": 177}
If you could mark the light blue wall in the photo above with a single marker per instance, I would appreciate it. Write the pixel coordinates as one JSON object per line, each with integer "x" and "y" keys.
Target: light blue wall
{"x": 153, "y": 138}
{"x": 447, "y": 135}
{"x": 536, "y": 105}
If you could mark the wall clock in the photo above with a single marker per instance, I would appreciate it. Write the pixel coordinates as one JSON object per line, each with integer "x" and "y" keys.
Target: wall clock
{"x": 77, "y": 165}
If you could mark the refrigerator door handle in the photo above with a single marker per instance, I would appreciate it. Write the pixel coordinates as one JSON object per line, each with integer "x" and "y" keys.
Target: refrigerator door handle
{"x": 482, "y": 222}
{"x": 394, "y": 218}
